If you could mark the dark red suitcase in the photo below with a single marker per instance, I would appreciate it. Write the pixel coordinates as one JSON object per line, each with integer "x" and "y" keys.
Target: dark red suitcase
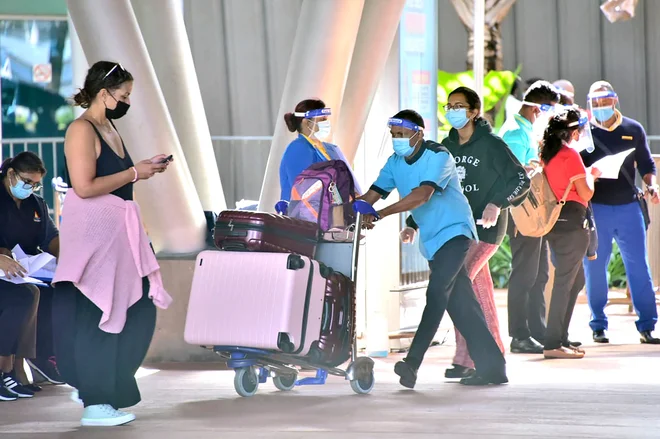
{"x": 241, "y": 230}
{"x": 337, "y": 324}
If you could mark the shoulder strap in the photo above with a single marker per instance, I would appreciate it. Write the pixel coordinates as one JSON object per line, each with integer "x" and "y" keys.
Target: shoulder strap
{"x": 566, "y": 192}
{"x": 627, "y": 176}
{"x": 98, "y": 133}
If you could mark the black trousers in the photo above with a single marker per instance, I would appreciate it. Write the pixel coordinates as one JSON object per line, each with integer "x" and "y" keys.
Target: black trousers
{"x": 529, "y": 277}
{"x": 101, "y": 365}
{"x": 450, "y": 289}
{"x": 16, "y": 303}
{"x": 45, "y": 340}
{"x": 568, "y": 240}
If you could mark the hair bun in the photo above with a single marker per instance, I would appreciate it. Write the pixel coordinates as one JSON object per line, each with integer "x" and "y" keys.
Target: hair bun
{"x": 290, "y": 121}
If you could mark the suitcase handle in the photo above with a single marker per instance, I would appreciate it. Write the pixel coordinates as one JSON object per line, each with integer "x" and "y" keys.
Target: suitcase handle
{"x": 233, "y": 246}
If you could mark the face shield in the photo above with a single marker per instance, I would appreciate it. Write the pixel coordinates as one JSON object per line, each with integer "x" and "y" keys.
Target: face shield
{"x": 402, "y": 136}
{"x": 318, "y": 122}
{"x": 546, "y": 112}
{"x": 585, "y": 141}
{"x": 602, "y": 106}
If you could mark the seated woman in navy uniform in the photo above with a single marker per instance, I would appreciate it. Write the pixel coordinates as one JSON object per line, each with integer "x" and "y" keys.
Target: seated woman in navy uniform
{"x": 24, "y": 221}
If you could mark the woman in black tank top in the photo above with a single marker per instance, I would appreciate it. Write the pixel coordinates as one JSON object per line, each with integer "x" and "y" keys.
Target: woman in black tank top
{"x": 102, "y": 365}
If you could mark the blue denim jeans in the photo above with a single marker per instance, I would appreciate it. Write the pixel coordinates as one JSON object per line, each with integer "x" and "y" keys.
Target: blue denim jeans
{"x": 624, "y": 224}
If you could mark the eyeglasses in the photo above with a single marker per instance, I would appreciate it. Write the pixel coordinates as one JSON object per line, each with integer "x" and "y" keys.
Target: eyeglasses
{"x": 112, "y": 70}
{"x": 457, "y": 106}
{"x": 27, "y": 184}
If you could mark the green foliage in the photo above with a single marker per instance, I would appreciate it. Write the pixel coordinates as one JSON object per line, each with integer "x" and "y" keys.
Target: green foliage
{"x": 500, "y": 265}
{"x": 497, "y": 87}
{"x": 616, "y": 272}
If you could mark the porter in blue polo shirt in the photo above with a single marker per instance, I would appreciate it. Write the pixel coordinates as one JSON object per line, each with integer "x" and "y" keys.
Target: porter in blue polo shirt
{"x": 447, "y": 213}
{"x": 424, "y": 174}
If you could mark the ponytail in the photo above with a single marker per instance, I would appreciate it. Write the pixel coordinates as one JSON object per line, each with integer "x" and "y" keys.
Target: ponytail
{"x": 558, "y": 132}
{"x": 25, "y": 161}
{"x": 5, "y": 166}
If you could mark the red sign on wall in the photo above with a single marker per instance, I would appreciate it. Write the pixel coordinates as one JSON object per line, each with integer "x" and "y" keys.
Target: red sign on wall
{"x": 42, "y": 73}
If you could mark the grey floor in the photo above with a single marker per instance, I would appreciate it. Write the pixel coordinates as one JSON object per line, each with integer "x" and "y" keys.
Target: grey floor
{"x": 614, "y": 392}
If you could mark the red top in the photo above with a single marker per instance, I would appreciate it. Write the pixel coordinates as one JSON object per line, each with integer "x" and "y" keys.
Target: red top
{"x": 563, "y": 169}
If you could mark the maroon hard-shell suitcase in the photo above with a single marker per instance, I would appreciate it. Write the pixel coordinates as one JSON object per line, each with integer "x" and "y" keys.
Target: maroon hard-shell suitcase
{"x": 338, "y": 322}
{"x": 241, "y": 230}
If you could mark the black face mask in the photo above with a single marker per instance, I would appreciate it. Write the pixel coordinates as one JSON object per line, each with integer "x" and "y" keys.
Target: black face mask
{"x": 117, "y": 112}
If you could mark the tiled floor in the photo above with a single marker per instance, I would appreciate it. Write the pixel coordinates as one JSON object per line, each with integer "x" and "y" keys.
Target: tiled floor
{"x": 614, "y": 392}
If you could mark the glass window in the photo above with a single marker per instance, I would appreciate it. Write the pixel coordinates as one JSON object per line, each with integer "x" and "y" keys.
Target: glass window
{"x": 36, "y": 83}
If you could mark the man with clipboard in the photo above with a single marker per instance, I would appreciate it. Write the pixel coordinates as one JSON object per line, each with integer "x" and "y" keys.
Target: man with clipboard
{"x": 620, "y": 211}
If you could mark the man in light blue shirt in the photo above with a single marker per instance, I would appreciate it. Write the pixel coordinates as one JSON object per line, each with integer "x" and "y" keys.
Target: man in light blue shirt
{"x": 529, "y": 264}
{"x": 424, "y": 174}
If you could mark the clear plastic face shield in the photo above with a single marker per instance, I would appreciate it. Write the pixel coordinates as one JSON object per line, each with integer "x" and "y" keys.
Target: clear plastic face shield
{"x": 402, "y": 136}
{"x": 545, "y": 113}
{"x": 603, "y": 106}
{"x": 317, "y": 122}
{"x": 584, "y": 141}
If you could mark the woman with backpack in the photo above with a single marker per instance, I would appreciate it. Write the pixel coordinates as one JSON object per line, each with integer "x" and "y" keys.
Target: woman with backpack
{"x": 569, "y": 238}
{"x": 310, "y": 121}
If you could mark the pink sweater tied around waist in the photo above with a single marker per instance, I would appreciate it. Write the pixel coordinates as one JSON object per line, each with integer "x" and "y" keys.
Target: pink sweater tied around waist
{"x": 105, "y": 253}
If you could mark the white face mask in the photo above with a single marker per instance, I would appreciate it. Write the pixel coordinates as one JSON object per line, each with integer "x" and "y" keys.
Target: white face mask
{"x": 324, "y": 130}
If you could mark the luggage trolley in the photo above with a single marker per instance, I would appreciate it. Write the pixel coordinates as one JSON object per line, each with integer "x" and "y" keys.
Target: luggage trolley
{"x": 254, "y": 366}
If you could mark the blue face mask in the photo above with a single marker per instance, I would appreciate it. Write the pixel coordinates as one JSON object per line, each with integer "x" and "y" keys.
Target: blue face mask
{"x": 603, "y": 113}
{"x": 19, "y": 191}
{"x": 402, "y": 147}
{"x": 457, "y": 118}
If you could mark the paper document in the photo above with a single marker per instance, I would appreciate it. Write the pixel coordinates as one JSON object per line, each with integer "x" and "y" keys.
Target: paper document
{"x": 41, "y": 266}
{"x": 610, "y": 166}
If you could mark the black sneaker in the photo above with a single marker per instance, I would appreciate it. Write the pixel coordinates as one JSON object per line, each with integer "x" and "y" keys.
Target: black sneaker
{"x": 458, "y": 371}
{"x": 526, "y": 346}
{"x": 601, "y": 337}
{"x": 407, "y": 373}
{"x": 6, "y": 395}
{"x": 47, "y": 369}
{"x": 14, "y": 387}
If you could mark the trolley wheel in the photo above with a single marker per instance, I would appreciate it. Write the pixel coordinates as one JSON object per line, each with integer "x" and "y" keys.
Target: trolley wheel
{"x": 285, "y": 382}
{"x": 362, "y": 386}
{"x": 246, "y": 381}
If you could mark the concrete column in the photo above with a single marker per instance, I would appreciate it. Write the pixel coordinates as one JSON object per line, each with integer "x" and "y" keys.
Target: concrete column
{"x": 378, "y": 27}
{"x": 319, "y": 64}
{"x": 173, "y": 62}
{"x": 170, "y": 206}
{"x": 78, "y": 62}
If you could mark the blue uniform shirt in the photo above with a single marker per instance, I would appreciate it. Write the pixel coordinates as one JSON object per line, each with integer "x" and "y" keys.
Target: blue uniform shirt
{"x": 300, "y": 155}
{"x": 29, "y": 226}
{"x": 447, "y": 214}
{"x": 517, "y": 133}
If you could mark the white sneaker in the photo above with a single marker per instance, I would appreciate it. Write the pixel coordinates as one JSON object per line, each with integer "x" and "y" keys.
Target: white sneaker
{"x": 104, "y": 415}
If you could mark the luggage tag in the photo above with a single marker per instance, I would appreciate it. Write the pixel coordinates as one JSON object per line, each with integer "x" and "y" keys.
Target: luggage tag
{"x": 336, "y": 196}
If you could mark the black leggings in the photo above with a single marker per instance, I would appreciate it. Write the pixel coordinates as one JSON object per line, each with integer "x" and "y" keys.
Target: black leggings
{"x": 101, "y": 365}
{"x": 16, "y": 303}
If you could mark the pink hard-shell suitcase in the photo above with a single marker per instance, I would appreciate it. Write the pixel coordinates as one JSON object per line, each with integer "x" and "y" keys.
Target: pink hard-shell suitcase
{"x": 270, "y": 301}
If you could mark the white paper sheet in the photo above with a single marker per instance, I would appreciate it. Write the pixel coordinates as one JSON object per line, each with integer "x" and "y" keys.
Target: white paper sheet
{"x": 610, "y": 166}
{"x": 40, "y": 266}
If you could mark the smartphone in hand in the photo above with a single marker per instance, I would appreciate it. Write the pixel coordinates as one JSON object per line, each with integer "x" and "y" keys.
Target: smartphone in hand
{"x": 167, "y": 159}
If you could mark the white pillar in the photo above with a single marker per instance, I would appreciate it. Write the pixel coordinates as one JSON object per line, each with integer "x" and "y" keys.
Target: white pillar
{"x": 173, "y": 62}
{"x": 170, "y": 206}
{"x": 318, "y": 67}
{"x": 378, "y": 27}
{"x": 478, "y": 27}
{"x": 78, "y": 62}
